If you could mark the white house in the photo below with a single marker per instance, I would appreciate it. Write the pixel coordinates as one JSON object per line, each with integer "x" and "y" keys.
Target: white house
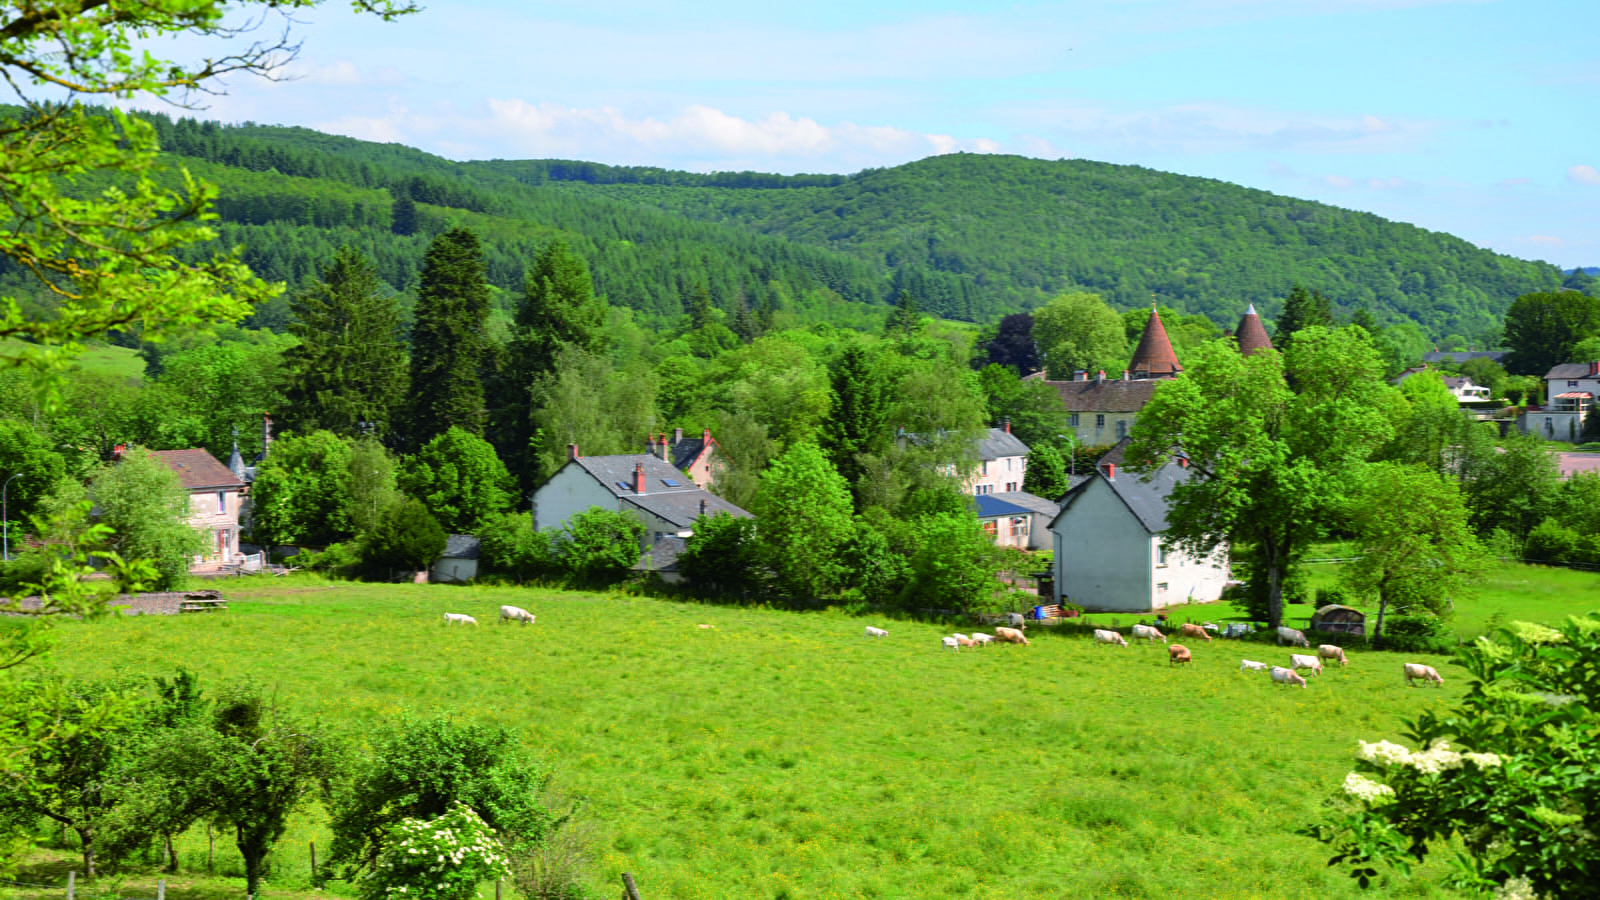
{"x": 1017, "y": 519}
{"x": 1570, "y": 389}
{"x": 215, "y": 497}
{"x": 1002, "y": 461}
{"x": 650, "y": 488}
{"x": 1109, "y": 549}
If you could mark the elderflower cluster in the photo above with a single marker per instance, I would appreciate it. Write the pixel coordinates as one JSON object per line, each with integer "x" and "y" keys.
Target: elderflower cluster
{"x": 1437, "y": 758}
{"x": 1365, "y": 789}
{"x": 441, "y": 858}
{"x": 1482, "y": 760}
{"x": 1516, "y": 889}
{"x": 1383, "y": 753}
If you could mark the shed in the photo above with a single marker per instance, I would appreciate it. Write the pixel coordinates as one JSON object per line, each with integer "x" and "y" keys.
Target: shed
{"x": 1336, "y": 619}
{"x": 459, "y": 562}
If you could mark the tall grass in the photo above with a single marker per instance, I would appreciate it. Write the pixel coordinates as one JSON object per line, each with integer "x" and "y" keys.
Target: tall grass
{"x": 783, "y": 754}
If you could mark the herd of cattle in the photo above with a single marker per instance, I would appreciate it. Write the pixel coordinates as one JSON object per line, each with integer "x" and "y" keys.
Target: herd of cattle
{"x": 507, "y": 614}
{"x": 1178, "y": 654}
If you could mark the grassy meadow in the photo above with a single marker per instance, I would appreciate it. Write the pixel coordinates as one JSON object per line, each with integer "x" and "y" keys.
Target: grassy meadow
{"x": 784, "y": 755}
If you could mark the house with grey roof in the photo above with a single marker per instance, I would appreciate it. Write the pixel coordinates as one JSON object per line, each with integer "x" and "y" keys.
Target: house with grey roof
{"x": 1111, "y": 553}
{"x": 1571, "y": 389}
{"x": 641, "y": 484}
{"x": 1002, "y": 461}
{"x": 459, "y": 561}
{"x": 1017, "y": 519}
{"x": 697, "y": 457}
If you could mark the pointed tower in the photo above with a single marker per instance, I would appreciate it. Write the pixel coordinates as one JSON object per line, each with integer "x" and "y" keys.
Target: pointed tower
{"x": 1154, "y": 357}
{"x": 1252, "y": 335}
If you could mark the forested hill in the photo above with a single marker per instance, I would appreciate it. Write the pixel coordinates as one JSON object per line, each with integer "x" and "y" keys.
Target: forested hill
{"x": 1011, "y": 229}
{"x": 970, "y": 237}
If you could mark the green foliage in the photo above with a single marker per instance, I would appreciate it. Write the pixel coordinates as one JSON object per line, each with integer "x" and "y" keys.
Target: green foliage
{"x": 1079, "y": 331}
{"x": 147, "y": 509}
{"x": 420, "y": 769}
{"x": 26, "y": 453}
{"x": 209, "y": 395}
{"x": 370, "y": 484}
{"x": 803, "y": 513}
{"x": 348, "y": 373}
{"x": 1033, "y": 408}
{"x": 1046, "y": 475}
{"x": 445, "y": 858}
{"x": 301, "y": 494}
{"x": 723, "y": 557}
{"x": 449, "y": 343}
{"x": 589, "y": 401}
{"x": 1301, "y": 309}
{"x": 407, "y": 538}
{"x": 1428, "y": 389}
{"x": 460, "y": 479}
{"x": 598, "y": 546}
{"x": 1516, "y": 488}
{"x": 510, "y": 546}
{"x": 1507, "y": 770}
{"x": 858, "y": 426}
{"x": 1542, "y": 328}
{"x": 954, "y": 566}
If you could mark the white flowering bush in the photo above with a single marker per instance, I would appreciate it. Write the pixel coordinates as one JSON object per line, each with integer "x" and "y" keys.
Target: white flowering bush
{"x": 1513, "y": 771}
{"x": 438, "y": 859}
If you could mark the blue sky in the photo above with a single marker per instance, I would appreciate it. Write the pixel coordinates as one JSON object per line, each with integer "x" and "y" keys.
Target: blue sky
{"x": 1475, "y": 118}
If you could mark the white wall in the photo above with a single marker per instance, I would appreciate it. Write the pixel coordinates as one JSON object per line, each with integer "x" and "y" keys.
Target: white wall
{"x": 1103, "y": 554}
{"x": 1189, "y": 578}
{"x": 447, "y": 570}
{"x": 571, "y": 491}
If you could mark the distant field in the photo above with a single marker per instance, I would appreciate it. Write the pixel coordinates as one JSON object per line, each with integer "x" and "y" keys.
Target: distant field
{"x": 106, "y": 359}
{"x": 784, "y": 755}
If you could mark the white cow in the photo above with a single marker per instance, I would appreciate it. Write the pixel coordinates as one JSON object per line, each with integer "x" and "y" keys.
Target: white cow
{"x": 963, "y": 640}
{"x": 1250, "y": 665}
{"x": 1010, "y": 636}
{"x": 459, "y": 619}
{"x": 1426, "y": 673}
{"x": 1016, "y": 620}
{"x": 1105, "y": 636}
{"x": 952, "y": 643}
{"x": 1148, "y": 633}
{"x": 876, "y": 632}
{"x": 979, "y": 638}
{"x": 1331, "y": 651}
{"x": 1285, "y": 633}
{"x": 1302, "y": 661}
{"x": 515, "y": 614}
{"x": 1280, "y": 675}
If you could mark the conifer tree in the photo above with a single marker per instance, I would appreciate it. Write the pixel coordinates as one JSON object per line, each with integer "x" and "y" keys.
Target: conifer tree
{"x": 448, "y": 342}
{"x": 348, "y": 373}
{"x": 1302, "y": 309}
{"x": 859, "y": 423}
{"x": 903, "y": 318}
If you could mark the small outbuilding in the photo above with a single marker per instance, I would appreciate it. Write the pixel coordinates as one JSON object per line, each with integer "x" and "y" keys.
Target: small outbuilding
{"x": 459, "y": 562}
{"x": 1335, "y": 619}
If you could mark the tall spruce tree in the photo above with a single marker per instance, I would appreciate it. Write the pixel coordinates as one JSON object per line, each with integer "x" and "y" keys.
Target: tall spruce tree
{"x": 1302, "y": 309}
{"x": 448, "y": 343}
{"x": 348, "y": 373}
{"x": 859, "y": 423}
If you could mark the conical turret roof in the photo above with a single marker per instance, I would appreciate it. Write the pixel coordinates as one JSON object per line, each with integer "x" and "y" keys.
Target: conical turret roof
{"x": 1252, "y": 335}
{"x": 1154, "y": 357}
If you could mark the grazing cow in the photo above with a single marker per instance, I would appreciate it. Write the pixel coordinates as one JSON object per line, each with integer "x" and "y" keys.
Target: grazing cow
{"x": 1302, "y": 661}
{"x": 1010, "y": 636}
{"x": 1105, "y": 636}
{"x": 952, "y": 643}
{"x": 1148, "y": 633}
{"x": 1190, "y": 629}
{"x": 1250, "y": 665}
{"x": 963, "y": 640}
{"x": 1237, "y": 629}
{"x": 1178, "y": 653}
{"x": 459, "y": 619}
{"x": 1426, "y": 673}
{"x": 1285, "y": 633}
{"x": 1016, "y": 620}
{"x": 515, "y": 614}
{"x": 1329, "y": 651}
{"x": 1280, "y": 675}
{"x": 707, "y": 627}
{"x": 876, "y": 632}
{"x": 979, "y": 638}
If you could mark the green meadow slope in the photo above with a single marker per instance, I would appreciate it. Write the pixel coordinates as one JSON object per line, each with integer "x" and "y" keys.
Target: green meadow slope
{"x": 784, "y": 755}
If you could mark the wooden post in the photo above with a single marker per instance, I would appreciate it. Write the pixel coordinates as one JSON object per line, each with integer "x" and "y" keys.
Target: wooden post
{"x": 72, "y": 881}
{"x": 630, "y": 887}
{"x": 211, "y": 847}
{"x": 497, "y": 889}
{"x": 314, "y": 861}
{"x": 161, "y": 889}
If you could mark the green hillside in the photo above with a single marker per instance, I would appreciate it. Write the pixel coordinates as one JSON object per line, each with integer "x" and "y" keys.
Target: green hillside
{"x": 970, "y": 237}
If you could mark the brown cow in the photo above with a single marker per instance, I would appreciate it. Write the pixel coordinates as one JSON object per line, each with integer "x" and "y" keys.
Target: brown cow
{"x": 1178, "y": 653}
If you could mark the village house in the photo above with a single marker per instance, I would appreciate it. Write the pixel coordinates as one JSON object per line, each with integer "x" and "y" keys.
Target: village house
{"x": 697, "y": 457}
{"x": 215, "y": 498}
{"x": 1111, "y": 554}
{"x": 1017, "y": 519}
{"x": 1002, "y": 462}
{"x": 641, "y": 484}
{"x": 1571, "y": 389}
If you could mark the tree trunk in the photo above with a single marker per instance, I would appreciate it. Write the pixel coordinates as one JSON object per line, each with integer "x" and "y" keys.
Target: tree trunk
{"x": 172, "y": 855}
{"x": 86, "y": 838}
{"x": 254, "y": 848}
{"x": 1377, "y": 630}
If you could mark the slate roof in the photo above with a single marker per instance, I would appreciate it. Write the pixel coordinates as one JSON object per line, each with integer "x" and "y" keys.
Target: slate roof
{"x": 686, "y": 451}
{"x": 1104, "y": 396}
{"x": 663, "y": 557}
{"x": 1147, "y": 500}
{"x": 1463, "y": 355}
{"x": 1014, "y": 503}
{"x": 461, "y": 546}
{"x": 198, "y": 470}
{"x": 668, "y": 494}
{"x": 1154, "y": 357}
{"x": 998, "y": 443}
{"x": 1573, "y": 370}
{"x": 1251, "y": 334}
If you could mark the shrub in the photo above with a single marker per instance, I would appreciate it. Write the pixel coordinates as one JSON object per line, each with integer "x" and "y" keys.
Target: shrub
{"x": 599, "y": 546}
{"x": 438, "y": 859}
{"x": 513, "y": 548}
{"x": 407, "y": 537}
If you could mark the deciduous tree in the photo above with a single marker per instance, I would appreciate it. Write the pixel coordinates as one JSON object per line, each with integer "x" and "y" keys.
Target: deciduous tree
{"x": 147, "y": 508}
{"x": 1079, "y": 331}
{"x": 803, "y": 512}
{"x": 301, "y": 493}
{"x": 460, "y": 479}
{"x": 1542, "y": 328}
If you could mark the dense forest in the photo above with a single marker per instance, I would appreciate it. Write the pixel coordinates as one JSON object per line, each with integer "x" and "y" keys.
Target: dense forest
{"x": 970, "y": 237}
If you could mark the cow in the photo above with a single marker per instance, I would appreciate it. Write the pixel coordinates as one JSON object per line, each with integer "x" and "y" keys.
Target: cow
{"x": 963, "y": 640}
{"x": 1426, "y": 673}
{"x": 1280, "y": 675}
{"x": 1285, "y": 633}
{"x": 515, "y": 614}
{"x": 459, "y": 619}
{"x": 1331, "y": 651}
{"x": 876, "y": 632}
{"x": 1106, "y": 636}
{"x": 1148, "y": 633}
{"x": 952, "y": 643}
{"x": 979, "y": 638}
{"x": 1302, "y": 661}
{"x": 1189, "y": 629}
{"x": 1017, "y": 621}
{"x": 1178, "y": 653}
{"x": 1250, "y": 665}
{"x": 1010, "y": 636}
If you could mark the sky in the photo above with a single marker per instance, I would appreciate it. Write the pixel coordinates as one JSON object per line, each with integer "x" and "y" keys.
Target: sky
{"x": 1480, "y": 119}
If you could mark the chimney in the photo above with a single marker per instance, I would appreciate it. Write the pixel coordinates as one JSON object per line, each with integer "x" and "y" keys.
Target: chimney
{"x": 1101, "y": 376}
{"x": 705, "y": 438}
{"x": 1124, "y": 374}
{"x": 266, "y": 433}
{"x": 572, "y": 451}
{"x": 1006, "y": 424}
{"x": 1111, "y": 471}
{"x": 1183, "y": 461}
{"x": 663, "y": 445}
{"x": 638, "y": 478}
{"x": 677, "y": 436}
{"x": 1594, "y": 369}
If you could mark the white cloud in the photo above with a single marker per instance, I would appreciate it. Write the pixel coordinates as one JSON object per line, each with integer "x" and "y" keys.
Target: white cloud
{"x": 1582, "y": 174}
{"x": 1544, "y": 240}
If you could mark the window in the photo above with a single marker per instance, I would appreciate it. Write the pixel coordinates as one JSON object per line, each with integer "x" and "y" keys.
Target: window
{"x": 1019, "y": 526}
{"x": 669, "y": 482}
{"x": 1161, "y": 554}
{"x": 1161, "y": 588}
{"x": 985, "y": 469}
{"x": 1073, "y": 420}
{"x": 1011, "y": 486}
{"x": 222, "y": 501}
{"x": 1122, "y": 429}
{"x": 1099, "y": 420}
{"x": 990, "y": 527}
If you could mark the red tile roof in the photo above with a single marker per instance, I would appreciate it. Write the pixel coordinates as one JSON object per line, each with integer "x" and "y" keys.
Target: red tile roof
{"x": 1154, "y": 357}
{"x": 1252, "y": 335}
{"x": 198, "y": 469}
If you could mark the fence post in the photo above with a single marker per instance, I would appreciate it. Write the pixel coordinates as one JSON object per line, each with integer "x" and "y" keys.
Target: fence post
{"x": 161, "y": 889}
{"x": 497, "y": 889}
{"x": 72, "y": 881}
{"x": 313, "y": 860}
{"x": 630, "y": 887}
{"x": 211, "y": 847}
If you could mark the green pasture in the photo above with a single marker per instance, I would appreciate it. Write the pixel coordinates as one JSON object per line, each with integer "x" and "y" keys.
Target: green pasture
{"x": 97, "y": 358}
{"x": 785, "y": 755}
